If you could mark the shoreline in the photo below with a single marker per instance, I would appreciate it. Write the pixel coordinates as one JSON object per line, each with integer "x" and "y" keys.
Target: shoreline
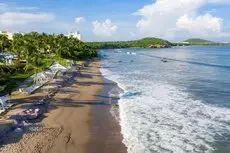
{"x": 98, "y": 131}
{"x": 105, "y": 128}
{"x": 78, "y": 119}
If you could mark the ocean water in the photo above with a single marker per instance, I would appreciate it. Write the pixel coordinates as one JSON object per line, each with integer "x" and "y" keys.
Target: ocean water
{"x": 181, "y": 105}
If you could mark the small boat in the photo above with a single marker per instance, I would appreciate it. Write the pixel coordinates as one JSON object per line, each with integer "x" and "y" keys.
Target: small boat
{"x": 164, "y": 60}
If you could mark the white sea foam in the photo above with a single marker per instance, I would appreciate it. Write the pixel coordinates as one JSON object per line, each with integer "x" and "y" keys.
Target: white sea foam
{"x": 164, "y": 119}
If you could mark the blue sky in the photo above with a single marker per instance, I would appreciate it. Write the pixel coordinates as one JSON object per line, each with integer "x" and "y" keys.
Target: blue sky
{"x": 101, "y": 20}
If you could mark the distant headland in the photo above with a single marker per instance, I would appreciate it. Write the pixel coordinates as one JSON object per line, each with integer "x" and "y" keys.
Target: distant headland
{"x": 151, "y": 42}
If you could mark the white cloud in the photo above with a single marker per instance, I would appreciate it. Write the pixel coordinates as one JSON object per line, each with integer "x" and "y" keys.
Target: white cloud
{"x": 17, "y": 18}
{"x": 220, "y": 1}
{"x": 203, "y": 24}
{"x": 104, "y": 29}
{"x": 14, "y": 15}
{"x": 26, "y": 8}
{"x": 12, "y": 7}
{"x": 79, "y": 20}
{"x": 3, "y": 7}
{"x": 132, "y": 34}
{"x": 167, "y": 18}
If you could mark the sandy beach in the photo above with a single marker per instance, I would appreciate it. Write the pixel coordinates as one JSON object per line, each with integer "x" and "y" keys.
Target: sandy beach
{"x": 77, "y": 120}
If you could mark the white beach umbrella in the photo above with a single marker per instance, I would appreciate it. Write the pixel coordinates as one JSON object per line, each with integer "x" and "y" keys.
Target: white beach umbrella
{"x": 42, "y": 76}
{"x": 2, "y": 104}
{"x": 49, "y": 74}
{"x": 57, "y": 67}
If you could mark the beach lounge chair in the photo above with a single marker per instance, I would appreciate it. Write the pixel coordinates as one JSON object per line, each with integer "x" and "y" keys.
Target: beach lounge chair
{"x": 30, "y": 114}
{"x": 5, "y": 102}
{"x": 40, "y": 102}
{"x": 57, "y": 67}
{"x": 33, "y": 88}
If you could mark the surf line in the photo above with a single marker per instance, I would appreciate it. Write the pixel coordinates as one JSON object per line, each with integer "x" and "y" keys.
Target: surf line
{"x": 187, "y": 61}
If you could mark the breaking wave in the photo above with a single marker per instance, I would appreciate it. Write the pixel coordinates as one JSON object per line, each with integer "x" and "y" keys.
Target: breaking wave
{"x": 165, "y": 119}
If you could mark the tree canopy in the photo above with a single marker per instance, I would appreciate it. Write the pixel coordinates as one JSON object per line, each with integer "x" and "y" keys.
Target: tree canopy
{"x": 36, "y": 52}
{"x": 34, "y": 46}
{"x": 198, "y": 41}
{"x": 142, "y": 43}
{"x": 5, "y": 43}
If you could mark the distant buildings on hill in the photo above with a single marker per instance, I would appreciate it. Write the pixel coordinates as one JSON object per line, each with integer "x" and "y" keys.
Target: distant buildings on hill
{"x": 75, "y": 35}
{"x": 185, "y": 43}
{"x": 9, "y": 34}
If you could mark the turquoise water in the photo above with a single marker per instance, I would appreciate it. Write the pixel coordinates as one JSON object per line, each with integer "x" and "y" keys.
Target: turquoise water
{"x": 178, "y": 105}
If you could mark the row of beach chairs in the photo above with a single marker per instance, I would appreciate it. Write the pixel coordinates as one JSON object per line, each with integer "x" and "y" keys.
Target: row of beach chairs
{"x": 34, "y": 111}
{"x": 41, "y": 78}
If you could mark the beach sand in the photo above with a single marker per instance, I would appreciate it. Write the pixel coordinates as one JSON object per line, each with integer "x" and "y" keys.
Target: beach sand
{"x": 78, "y": 120}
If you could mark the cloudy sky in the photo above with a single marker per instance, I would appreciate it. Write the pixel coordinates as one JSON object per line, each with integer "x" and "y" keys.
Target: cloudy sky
{"x": 100, "y": 20}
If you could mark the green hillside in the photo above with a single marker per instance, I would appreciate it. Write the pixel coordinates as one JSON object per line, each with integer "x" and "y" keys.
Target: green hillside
{"x": 146, "y": 42}
{"x": 197, "y": 41}
{"x": 142, "y": 43}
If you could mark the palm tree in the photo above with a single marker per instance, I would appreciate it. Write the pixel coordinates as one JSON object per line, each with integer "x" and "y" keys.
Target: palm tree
{"x": 5, "y": 43}
{"x": 35, "y": 46}
{"x": 18, "y": 45}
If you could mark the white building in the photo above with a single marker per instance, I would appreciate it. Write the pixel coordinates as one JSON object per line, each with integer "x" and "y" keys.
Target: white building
{"x": 75, "y": 35}
{"x": 9, "y": 34}
{"x": 184, "y": 43}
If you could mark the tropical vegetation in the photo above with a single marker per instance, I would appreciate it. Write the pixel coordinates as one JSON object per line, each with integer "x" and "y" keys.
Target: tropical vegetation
{"x": 142, "y": 43}
{"x": 198, "y": 41}
{"x": 5, "y": 43}
{"x": 37, "y": 51}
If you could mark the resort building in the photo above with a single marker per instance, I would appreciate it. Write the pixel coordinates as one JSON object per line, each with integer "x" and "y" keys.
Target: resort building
{"x": 75, "y": 35}
{"x": 9, "y": 34}
{"x": 184, "y": 42}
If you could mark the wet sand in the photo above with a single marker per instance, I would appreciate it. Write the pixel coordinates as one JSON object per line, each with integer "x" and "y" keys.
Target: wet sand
{"x": 105, "y": 129}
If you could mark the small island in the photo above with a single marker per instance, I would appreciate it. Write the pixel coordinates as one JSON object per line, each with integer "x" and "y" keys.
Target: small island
{"x": 198, "y": 41}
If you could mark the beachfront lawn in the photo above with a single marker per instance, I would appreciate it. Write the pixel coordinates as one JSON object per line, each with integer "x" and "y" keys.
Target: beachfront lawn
{"x": 10, "y": 86}
{"x": 20, "y": 76}
{"x": 63, "y": 61}
{"x": 80, "y": 62}
{"x": 45, "y": 63}
{"x": 16, "y": 78}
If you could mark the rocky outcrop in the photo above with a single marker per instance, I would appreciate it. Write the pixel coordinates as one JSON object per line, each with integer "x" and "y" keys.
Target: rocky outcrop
{"x": 159, "y": 46}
